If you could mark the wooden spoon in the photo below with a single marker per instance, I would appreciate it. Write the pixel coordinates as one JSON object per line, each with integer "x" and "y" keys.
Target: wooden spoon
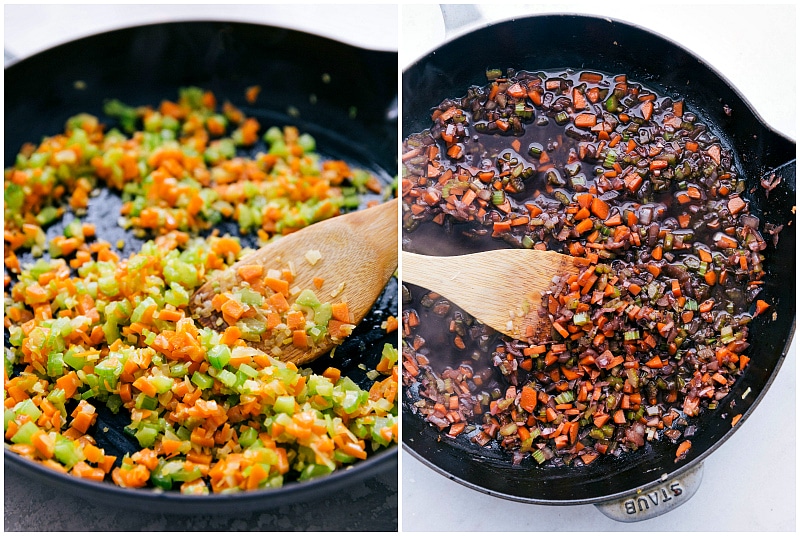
{"x": 358, "y": 254}
{"x": 501, "y": 288}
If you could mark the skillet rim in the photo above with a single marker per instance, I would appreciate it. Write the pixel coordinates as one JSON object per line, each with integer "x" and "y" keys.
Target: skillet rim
{"x": 695, "y": 461}
{"x": 384, "y": 460}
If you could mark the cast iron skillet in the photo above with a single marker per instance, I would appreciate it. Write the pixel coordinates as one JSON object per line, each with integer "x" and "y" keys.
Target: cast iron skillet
{"x": 345, "y": 96}
{"x": 578, "y": 42}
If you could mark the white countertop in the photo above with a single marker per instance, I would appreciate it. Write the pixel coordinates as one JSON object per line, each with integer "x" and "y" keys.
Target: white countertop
{"x": 749, "y": 482}
{"x": 33, "y": 28}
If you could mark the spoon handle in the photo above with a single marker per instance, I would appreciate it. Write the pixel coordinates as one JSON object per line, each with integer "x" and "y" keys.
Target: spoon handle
{"x": 501, "y": 288}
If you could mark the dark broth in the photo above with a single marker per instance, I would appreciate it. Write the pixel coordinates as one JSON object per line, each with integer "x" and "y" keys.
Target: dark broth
{"x": 513, "y": 164}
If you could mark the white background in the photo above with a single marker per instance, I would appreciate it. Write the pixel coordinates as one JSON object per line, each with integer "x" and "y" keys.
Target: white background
{"x": 749, "y": 482}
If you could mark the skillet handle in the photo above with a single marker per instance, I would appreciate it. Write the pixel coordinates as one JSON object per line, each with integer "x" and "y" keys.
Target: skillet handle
{"x": 459, "y": 17}
{"x": 656, "y": 500}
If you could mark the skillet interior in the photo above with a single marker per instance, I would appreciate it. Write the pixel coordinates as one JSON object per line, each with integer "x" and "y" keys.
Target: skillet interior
{"x": 346, "y": 97}
{"x": 561, "y": 41}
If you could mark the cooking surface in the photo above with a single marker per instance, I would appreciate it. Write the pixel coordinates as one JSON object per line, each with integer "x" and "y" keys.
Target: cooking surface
{"x": 32, "y": 505}
{"x": 736, "y": 493}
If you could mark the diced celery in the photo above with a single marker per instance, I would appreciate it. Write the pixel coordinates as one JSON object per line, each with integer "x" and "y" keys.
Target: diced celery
{"x": 248, "y": 437}
{"x": 176, "y": 296}
{"x": 139, "y": 310}
{"x": 307, "y": 298}
{"x": 250, "y": 297}
{"x": 379, "y": 424}
{"x": 114, "y": 403}
{"x": 320, "y": 385}
{"x": 146, "y": 436}
{"x": 55, "y": 364}
{"x": 307, "y": 142}
{"x": 313, "y": 471}
{"x": 353, "y": 400}
{"x": 186, "y": 475}
{"x": 15, "y": 336}
{"x": 109, "y": 370}
{"x": 162, "y": 383}
{"x": 108, "y": 285}
{"x": 47, "y": 215}
{"x": 159, "y": 479}
{"x": 146, "y": 402}
{"x": 341, "y": 457}
{"x": 322, "y": 314}
{"x": 219, "y": 356}
{"x": 203, "y": 381}
{"x": 179, "y": 370}
{"x": 247, "y": 370}
{"x": 58, "y": 398}
{"x": 27, "y": 407}
{"x": 389, "y": 353}
{"x": 180, "y": 272}
{"x": 14, "y": 196}
{"x": 68, "y": 452}
{"x": 227, "y": 378}
{"x": 25, "y": 433}
{"x": 111, "y": 330}
{"x": 284, "y": 404}
{"x": 273, "y": 134}
{"x": 8, "y": 416}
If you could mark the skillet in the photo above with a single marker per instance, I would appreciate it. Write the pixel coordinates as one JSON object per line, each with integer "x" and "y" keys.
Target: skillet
{"x": 560, "y": 41}
{"x": 344, "y": 96}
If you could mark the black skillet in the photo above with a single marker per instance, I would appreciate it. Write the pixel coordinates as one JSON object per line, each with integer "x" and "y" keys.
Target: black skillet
{"x": 345, "y": 96}
{"x": 647, "y": 482}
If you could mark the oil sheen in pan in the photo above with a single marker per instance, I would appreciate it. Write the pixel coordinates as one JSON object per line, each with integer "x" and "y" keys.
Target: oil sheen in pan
{"x": 355, "y": 357}
{"x": 481, "y": 148}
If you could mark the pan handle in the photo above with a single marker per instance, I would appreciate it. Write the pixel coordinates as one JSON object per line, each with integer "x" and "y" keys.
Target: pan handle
{"x": 655, "y": 500}
{"x": 457, "y": 17}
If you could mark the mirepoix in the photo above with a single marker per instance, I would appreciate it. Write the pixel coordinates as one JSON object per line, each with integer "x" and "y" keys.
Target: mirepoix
{"x": 88, "y": 327}
{"x": 652, "y": 333}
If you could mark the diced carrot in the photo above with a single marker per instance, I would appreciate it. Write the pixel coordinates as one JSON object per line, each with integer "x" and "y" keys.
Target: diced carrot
{"x": 333, "y": 374}
{"x": 277, "y": 285}
{"x": 340, "y": 312}
{"x": 683, "y": 448}
{"x": 278, "y": 301}
{"x": 170, "y": 315}
{"x": 69, "y": 383}
{"x": 655, "y": 362}
{"x": 528, "y": 399}
{"x": 647, "y": 110}
{"x": 83, "y": 421}
{"x": 560, "y": 329}
{"x": 249, "y": 272}
{"x": 585, "y": 120}
{"x": 273, "y": 320}
{"x": 146, "y": 386}
{"x": 295, "y": 320}
{"x": 584, "y": 226}
{"x": 391, "y": 324}
{"x": 736, "y": 204}
{"x": 233, "y": 308}
{"x": 300, "y": 338}
{"x": 336, "y": 329}
{"x": 43, "y": 443}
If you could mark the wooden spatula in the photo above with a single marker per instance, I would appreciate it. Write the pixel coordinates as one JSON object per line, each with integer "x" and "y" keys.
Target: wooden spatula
{"x": 357, "y": 256}
{"x": 501, "y": 288}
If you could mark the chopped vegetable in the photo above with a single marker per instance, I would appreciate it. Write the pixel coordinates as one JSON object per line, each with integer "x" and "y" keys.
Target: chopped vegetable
{"x": 651, "y": 333}
{"x": 89, "y": 328}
